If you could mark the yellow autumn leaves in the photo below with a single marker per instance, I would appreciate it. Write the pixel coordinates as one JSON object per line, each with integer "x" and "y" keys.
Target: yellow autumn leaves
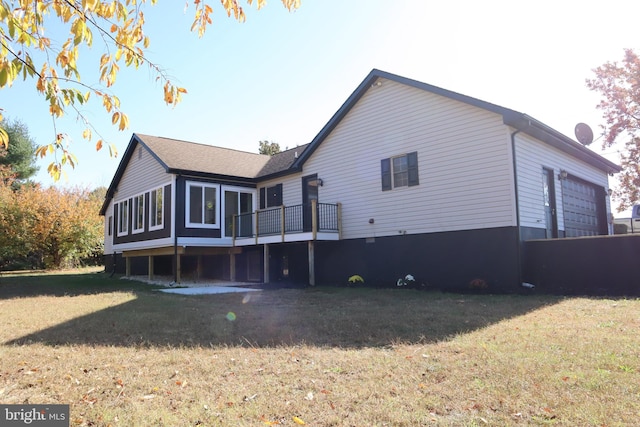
{"x": 119, "y": 24}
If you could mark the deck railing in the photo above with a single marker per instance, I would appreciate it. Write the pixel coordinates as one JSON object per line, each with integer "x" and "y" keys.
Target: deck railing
{"x": 314, "y": 217}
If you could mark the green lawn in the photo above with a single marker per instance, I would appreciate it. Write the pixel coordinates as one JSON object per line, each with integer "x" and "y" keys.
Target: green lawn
{"x": 121, "y": 353}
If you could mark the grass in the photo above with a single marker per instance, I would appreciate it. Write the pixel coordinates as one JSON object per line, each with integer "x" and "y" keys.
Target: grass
{"x": 123, "y": 355}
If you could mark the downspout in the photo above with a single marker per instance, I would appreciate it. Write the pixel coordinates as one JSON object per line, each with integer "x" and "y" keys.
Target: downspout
{"x": 175, "y": 257}
{"x": 115, "y": 264}
{"x": 517, "y": 201}
{"x": 174, "y": 197}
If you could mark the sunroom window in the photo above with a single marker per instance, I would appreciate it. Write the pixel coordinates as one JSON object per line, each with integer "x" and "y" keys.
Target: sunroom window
{"x": 202, "y": 205}
{"x": 138, "y": 213}
{"x": 156, "y": 209}
{"x": 123, "y": 217}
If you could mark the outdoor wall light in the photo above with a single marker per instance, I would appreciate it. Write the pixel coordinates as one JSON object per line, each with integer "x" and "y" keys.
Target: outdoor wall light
{"x": 610, "y": 192}
{"x": 563, "y": 174}
{"x": 319, "y": 182}
{"x": 371, "y": 220}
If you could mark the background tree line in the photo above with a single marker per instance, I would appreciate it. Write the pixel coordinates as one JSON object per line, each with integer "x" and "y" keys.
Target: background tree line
{"x": 44, "y": 227}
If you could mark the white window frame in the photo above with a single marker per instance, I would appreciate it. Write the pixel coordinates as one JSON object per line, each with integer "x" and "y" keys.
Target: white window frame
{"x": 135, "y": 227}
{"x": 123, "y": 227}
{"x": 245, "y": 190}
{"x": 187, "y": 205}
{"x": 402, "y": 174}
{"x": 153, "y": 209}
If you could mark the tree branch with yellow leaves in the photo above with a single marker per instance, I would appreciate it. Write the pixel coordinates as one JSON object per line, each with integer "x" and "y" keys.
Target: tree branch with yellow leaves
{"x": 120, "y": 25}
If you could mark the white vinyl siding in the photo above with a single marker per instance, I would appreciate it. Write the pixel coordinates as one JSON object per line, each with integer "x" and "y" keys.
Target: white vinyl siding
{"x": 464, "y": 162}
{"x": 142, "y": 173}
{"x": 532, "y": 156}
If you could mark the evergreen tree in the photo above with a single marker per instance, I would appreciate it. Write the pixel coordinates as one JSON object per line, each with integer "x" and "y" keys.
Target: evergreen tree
{"x": 19, "y": 157}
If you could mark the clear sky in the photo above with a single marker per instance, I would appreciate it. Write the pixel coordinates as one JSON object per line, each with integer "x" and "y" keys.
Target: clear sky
{"x": 280, "y": 76}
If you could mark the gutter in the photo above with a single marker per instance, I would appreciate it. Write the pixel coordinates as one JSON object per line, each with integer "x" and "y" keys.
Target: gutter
{"x": 550, "y": 136}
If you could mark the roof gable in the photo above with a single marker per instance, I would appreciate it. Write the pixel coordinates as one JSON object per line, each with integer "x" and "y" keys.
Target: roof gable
{"x": 184, "y": 157}
{"x": 515, "y": 119}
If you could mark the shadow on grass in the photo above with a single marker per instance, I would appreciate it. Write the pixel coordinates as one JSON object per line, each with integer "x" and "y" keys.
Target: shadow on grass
{"x": 330, "y": 317}
{"x": 28, "y": 284}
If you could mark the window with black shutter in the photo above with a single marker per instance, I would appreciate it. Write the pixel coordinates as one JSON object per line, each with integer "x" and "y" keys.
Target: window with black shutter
{"x": 271, "y": 196}
{"x": 399, "y": 171}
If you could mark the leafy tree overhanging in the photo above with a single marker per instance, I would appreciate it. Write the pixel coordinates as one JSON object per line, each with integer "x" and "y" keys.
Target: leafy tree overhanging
{"x": 119, "y": 24}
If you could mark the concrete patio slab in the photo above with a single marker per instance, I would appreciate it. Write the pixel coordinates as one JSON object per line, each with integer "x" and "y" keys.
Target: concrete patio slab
{"x": 207, "y": 290}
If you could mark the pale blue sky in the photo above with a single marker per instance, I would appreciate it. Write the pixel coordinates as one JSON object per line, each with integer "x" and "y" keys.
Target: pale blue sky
{"x": 280, "y": 76}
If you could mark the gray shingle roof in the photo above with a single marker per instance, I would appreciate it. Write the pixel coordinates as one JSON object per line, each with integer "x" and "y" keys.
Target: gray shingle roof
{"x": 177, "y": 155}
{"x": 282, "y": 161}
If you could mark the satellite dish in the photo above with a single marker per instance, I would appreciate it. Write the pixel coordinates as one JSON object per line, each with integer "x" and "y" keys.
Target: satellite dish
{"x": 584, "y": 134}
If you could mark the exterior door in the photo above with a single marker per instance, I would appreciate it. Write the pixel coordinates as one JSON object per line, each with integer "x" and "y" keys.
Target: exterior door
{"x": 309, "y": 193}
{"x": 549, "y": 196}
{"x": 236, "y": 203}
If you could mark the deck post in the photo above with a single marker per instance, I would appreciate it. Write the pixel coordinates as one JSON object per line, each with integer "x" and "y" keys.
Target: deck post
{"x": 178, "y": 268}
{"x": 233, "y": 229}
{"x": 150, "y": 268}
{"x": 282, "y": 223}
{"x": 232, "y": 267}
{"x": 265, "y": 263}
{"x": 199, "y": 268}
{"x": 127, "y": 268}
{"x": 339, "y": 208}
{"x": 257, "y": 226}
{"x": 312, "y": 269}
{"x": 314, "y": 218}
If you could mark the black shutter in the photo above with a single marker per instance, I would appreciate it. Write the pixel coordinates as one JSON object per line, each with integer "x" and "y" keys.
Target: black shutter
{"x": 385, "y": 169}
{"x": 412, "y": 167}
{"x": 271, "y": 196}
{"x": 278, "y": 195}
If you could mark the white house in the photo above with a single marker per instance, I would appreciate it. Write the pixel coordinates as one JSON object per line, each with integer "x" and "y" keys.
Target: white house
{"x": 406, "y": 178}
